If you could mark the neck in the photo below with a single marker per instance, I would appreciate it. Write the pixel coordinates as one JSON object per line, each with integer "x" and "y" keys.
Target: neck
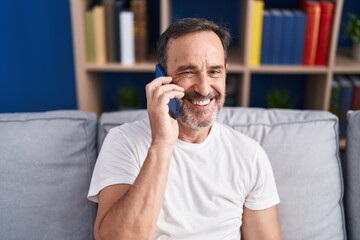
{"x": 193, "y": 135}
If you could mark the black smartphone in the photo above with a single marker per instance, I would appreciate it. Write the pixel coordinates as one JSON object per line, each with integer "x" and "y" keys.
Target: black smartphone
{"x": 174, "y": 102}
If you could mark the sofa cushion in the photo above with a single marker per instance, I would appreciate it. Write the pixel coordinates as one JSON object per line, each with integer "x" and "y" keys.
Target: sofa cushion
{"x": 113, "y": 119}
{"x": 352, "y": 175}
{"x": 303, "y": 150}
{"x": 46, "y": 162}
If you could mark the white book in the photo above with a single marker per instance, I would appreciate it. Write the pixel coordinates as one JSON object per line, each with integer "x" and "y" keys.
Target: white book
{"x": 127, "y": 40}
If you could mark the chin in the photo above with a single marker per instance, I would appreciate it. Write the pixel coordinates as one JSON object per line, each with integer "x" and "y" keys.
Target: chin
{"x": 198, "y": 119}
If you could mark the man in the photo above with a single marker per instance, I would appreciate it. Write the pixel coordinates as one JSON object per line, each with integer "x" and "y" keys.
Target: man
{"x": 190, "y": 178}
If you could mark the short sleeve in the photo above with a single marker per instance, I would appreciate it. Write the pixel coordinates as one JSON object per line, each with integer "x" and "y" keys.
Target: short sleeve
{"x": 263, "y": 193}
{"x": 116, "y": 164}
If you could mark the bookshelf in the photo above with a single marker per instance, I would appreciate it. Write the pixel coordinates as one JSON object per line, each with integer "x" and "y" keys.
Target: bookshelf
{"x": 318, "y": 78}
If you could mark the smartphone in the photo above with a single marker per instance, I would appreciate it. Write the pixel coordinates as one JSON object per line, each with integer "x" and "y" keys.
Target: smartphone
{"x": 174, "y": 102}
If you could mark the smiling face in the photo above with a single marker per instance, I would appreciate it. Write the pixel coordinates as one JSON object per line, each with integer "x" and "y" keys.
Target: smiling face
{"x": 196, "y": 61}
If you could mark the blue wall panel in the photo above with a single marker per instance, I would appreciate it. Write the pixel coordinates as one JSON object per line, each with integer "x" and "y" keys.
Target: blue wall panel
{"x": 36, "y": 60}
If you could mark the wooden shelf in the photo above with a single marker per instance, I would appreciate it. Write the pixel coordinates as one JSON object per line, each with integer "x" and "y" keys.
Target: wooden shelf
{"x": 345, "y": 64}
{"x": 289, "y": 69}
{"x": 117, "y": 67}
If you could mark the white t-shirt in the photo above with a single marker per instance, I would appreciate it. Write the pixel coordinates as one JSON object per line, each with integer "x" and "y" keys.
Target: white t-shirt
{"x": 208, "y": 183}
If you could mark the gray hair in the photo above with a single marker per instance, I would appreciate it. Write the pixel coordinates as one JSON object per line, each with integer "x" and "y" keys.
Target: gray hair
{"x": 188, "y": 25}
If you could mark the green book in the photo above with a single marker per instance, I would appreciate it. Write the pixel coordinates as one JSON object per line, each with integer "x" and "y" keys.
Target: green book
{"x": 335, "y": 97}
{"x": 89, "y": 34}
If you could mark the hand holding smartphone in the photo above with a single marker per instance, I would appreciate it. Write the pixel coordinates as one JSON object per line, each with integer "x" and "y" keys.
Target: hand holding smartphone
{"x": 174, "y": 102}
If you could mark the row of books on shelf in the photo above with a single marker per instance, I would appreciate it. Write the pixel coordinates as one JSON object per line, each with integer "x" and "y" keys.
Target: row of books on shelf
{"x": 291, "y": 37}
{"x": 116, "y": 31}
{"x": 345, "y": 96}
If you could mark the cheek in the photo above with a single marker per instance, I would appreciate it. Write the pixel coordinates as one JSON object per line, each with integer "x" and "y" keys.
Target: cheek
{"x": 219, "y": 86}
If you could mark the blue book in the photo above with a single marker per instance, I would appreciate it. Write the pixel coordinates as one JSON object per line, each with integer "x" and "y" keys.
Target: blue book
{"x": 345, "y": 101}
{"x": 288, "y": 36}
{"x": 266, "y": 36}
{"x": 276, "y": 27}
{"x": 300, "y": 21}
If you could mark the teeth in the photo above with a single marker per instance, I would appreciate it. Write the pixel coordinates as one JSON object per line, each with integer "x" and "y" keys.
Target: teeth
{"x": 201, "y": 103}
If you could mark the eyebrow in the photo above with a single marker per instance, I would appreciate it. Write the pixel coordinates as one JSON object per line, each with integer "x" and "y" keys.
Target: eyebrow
{"x": 218, "y": 67}
{"x": 186, "y": 67}
{"x": 192, "y": 67}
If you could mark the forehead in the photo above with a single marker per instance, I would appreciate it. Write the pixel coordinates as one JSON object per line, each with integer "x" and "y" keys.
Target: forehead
{"x": 202, "y": 44}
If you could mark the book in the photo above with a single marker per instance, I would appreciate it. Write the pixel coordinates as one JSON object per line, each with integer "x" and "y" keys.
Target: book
{"x": 127, "y": 48}
{"x": 256, "y": 32}
{"x": 298, "y": 51}
{"x": 139, "y": 9}
{"x": 288, "y": 37}
{"x": 265, "y": 40}
{"x": 345, "y": 101}
{"x": 313, "y": 12}
{"x": 355, "y": 103}
{"x": 335, "y": 97}
{"x": 326, "y": 18}
{"x": 99, "y": 34}
{"x": 276, "y": 36}
{"x": 89, "y": 35}
{"x": 110, "y": 29}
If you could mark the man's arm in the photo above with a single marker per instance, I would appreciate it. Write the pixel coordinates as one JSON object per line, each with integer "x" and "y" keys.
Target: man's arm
{"x": 260, "y": 224}
{"x": 131, "y": 211}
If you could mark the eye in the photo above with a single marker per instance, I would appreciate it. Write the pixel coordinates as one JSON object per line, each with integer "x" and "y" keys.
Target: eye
{"x": 187, "y": 74}
{"x": 215, "y": 73}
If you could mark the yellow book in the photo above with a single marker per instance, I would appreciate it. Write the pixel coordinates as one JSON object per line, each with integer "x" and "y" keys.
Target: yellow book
{"x": 99, "y": 34}
{"x": 256, "y": 32}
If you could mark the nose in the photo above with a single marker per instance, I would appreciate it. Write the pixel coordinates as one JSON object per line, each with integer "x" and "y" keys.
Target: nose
{"x": 202, "y": 85}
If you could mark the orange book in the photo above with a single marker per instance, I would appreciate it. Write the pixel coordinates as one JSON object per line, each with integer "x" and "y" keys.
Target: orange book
{"x": 313, "y": 12}
{"x": 99, "y": 34}
{"x": 139, "y": 7}
{"x": 327, "y": 12}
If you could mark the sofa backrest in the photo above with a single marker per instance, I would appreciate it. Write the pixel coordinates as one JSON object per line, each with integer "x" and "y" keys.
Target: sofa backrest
{"x": 352, "y": 176}
{"x": 303, "y": 149}
{"x": 46, "y": 162}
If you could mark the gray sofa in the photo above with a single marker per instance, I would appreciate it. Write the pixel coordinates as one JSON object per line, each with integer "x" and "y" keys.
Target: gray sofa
{"x": 46, "y": 162}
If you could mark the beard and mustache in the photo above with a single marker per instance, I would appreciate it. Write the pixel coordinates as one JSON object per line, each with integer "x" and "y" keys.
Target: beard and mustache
{"x": 200, "y": 118}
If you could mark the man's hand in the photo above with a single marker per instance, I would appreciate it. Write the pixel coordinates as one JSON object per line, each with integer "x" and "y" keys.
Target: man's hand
{"x": 164, "y": 129}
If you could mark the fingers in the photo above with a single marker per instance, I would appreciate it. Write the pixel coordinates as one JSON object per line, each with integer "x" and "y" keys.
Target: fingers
{"x": 161, "y": 86}
{"x": 150, "y": 87}
{"x": 164, "y": 89}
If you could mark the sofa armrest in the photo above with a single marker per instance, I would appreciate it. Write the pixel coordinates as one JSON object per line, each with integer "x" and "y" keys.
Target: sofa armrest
{"x": 352, "y": 175}
{"x": 46, "y": 161}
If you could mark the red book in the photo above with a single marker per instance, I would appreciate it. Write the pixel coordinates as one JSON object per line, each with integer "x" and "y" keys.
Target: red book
{"x": 313, "y": 11}
{"x": 355, "y": 80}
{"x": 327, "y": 12}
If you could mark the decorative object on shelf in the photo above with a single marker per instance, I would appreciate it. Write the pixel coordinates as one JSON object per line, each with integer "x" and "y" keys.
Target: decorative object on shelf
{"x": 128, "y": 98}
{"x": 280, "y": 98}
{"x": 352, "y": 30}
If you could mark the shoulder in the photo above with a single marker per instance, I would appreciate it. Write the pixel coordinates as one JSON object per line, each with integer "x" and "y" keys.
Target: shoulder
{"x": 130, "y": 132}
{"x": 227, "y": 133}
{"x": 133, "y": 128}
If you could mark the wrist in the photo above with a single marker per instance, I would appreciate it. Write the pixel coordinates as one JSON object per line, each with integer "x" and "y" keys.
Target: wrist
{"x": 161, "y": 148}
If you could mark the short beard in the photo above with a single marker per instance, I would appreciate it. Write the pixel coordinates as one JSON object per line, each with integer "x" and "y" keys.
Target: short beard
{"x": 200, "y": 119}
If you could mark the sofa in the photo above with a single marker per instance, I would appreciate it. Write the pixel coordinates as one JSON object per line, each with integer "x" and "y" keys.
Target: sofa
{"x": 47, "y": 158}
